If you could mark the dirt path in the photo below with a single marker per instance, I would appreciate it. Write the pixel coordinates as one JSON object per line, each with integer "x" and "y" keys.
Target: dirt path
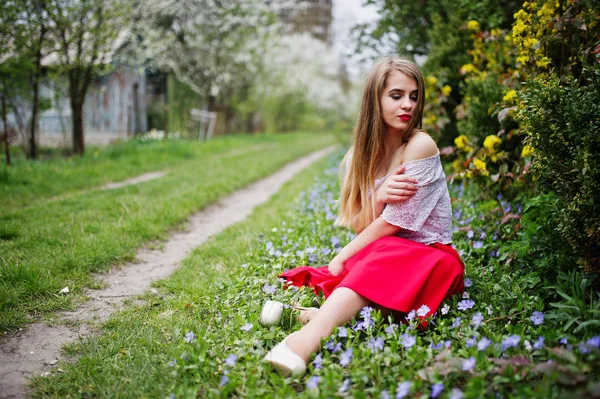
{"x": 37, "y": 348}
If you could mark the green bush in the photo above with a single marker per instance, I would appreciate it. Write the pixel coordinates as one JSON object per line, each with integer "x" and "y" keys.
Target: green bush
{"x": 562, "y": 125}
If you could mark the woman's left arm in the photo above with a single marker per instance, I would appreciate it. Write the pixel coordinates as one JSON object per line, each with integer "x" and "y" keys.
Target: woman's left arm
{"x": 379, "y": 228}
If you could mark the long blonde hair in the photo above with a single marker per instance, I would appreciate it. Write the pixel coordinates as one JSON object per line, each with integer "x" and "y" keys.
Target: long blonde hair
{"x": 367, "y": 151}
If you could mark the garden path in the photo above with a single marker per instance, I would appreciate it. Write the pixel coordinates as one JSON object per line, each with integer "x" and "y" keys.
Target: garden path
{"x": 36, "y": 348}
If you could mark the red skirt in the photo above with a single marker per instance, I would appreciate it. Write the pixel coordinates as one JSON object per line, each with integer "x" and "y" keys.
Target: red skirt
{"x": 393, "y": 272}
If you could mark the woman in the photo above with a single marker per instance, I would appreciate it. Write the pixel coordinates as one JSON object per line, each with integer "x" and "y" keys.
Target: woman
{"x": 401, "y": 257}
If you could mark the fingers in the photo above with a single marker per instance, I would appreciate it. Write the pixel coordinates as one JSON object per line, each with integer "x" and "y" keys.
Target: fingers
{"x": 404, "y": 178}
{"x": 401, "y": 186}
{"x": 399, "y": 170}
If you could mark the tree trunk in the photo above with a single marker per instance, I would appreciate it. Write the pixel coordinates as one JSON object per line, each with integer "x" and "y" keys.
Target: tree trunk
{"x": 77, "y": 119}
{"x": 6, "y": 144}
{"x": 34, "y": 115}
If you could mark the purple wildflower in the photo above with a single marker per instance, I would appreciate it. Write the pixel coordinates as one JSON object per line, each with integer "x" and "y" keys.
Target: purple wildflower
{"x": 318, "y": 361}
{"x": 495, "y": 236}
{"x": 410, "y": 315}
{"x": 408, "y": 340}
{"x": 477, "y": 319}
{"x": 342, "y": 332}
{"x": 326, "y": 251}
{"x": 468, "y": 364}
{"x": 456, "y": 323}
{"x": 512, "y": 341}
{"x": 437, "y": 347}
{"x": 494, "y": 253}
{"x": 594, "y": 341}
{"x": 244, "y": 265}
{"x": 346, "y": 357}
{"x": 445, "y": 309}
{"x": 466, "y": 304}
{"x": 539, "y": 344}
{"x": 403, "y": 389}
{"x": 482, "y": 235}
{"x": 448, "y": 344}
{"x": 384, "y": 395}
{"x": 563, "y": 341}
{"x": 390, "y": 328}
{"x": 269, "y": 289}
{"x": 470, "y": 234}
{"x": 471, "y": 342}
{"x": 456, "y": 394}
{"x": 172, "y": 363}
{"x": 335, "y": 241}
{"x": 224, "y": 380}
{"x": 231, "y": 359}
{"x": 468, "y": 282}
{"x": 423, "y": 310}
{"x": 483, "y": 344}
{"x": 376, "y": 343}
{"x": 312, "y": 258}
{"x": 313, "y": 382}
{"x": 189, "y": 337}
{"x": 436, "y": 390}
{"x": 246, "y": 327}
{"x": 269, "y": 245}
{"x": 477, "y": 244}
{"x": 537, "y": 318}
{"x": 345, "y": 385}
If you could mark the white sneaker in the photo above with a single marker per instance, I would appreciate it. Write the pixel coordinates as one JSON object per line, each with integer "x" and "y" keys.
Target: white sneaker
{"x": 285, "y": 360}
{"x": 271, "y": 313}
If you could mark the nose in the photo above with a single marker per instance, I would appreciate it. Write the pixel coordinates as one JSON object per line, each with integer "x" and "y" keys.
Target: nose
{"x": 406, "y": 103}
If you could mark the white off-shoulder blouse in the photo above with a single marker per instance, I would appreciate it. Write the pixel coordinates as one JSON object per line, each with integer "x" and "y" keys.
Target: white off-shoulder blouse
{"x": 426, "y": 217}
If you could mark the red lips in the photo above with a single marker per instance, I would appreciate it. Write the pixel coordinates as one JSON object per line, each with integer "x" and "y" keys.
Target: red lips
{"x": 405, "y": 117}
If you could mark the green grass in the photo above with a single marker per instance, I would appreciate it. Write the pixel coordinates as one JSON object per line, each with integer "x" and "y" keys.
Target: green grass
{"x": 143, "y": 352}
{"x": 48, "y": 245}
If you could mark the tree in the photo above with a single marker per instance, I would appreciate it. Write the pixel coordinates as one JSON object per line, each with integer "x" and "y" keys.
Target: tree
{"x": 85, "y": 32}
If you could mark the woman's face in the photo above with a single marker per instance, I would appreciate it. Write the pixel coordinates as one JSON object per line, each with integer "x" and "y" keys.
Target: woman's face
{"x": 398, "y": 101}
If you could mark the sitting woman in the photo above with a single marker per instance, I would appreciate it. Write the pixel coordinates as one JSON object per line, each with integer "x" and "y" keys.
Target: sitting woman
{"x": 394, "y": 195}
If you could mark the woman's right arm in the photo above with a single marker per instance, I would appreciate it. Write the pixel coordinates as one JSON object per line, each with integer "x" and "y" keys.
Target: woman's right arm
{"x": 396, "y": 187}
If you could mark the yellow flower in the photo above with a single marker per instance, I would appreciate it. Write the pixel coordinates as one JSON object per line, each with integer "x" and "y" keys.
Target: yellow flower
{"x": 480, "y": 166}
{"x": 529, "y": 42}
{"x": 446, "y": 90}
{"x": 461, "y": 141}
{"x": 511, "y": 95}
{"x": 467, "y": 68}
{"x": 491, "y": 142}
{"x": 473, "y": 26}
{"x": 527, "y": 151}
{"x": 496, "y": 32}
{"x": 432, "y": 80}
{"x": 522, "y": 59}
{"x": 457, "y": 164}
{"x": 543, "y": 63}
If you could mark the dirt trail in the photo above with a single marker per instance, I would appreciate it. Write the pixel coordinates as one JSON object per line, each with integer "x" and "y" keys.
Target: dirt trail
{"x": 37, "y": 348}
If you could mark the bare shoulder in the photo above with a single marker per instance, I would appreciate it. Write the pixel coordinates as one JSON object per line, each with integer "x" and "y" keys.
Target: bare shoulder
{"x": 420, "y": 146}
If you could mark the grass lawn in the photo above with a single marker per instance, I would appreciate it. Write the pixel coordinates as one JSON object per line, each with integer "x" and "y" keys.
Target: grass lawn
{"x": 48, "y": 244}
{"x": 200, "y": 337}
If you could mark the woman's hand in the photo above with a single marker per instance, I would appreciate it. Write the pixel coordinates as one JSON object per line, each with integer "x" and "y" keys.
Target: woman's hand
{"x": 336, "y": 266}
{"x": 396, "y": 187}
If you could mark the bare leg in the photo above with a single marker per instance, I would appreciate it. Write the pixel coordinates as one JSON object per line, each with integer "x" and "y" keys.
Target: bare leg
{"x": 338, "y": 309}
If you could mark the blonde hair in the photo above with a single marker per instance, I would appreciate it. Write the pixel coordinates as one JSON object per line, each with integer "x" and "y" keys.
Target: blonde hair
{"x": 367, "y": 150}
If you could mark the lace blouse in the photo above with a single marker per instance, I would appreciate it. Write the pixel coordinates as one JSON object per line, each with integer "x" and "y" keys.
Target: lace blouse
{"x": 426, "y": 217}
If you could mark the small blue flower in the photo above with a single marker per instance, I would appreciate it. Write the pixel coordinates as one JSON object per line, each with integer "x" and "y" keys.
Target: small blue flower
{"x": 478, "y": 244}
{"x": 342, "y": 332}
{"x": 436, "y": 390}
{"x": 470, "y": 234}
{"x": 345, "y": 385}
{"x": 224, "y": 380}
{"x": 269, "y": 289}
{"x": 335, "y": 241}
{"x": 477, "y": 319}
{"x": 403, "y": 389}
{"x": 411, "y": 315}
{"x": 537, "y": 318}
{"x": 172, "y": 363}
{"x": 231, "y": 359}
{"x": 318, "y": 361}
{"x": 384, "y": 395}
{"x": 512, "y": 341}
{"x": 466, "y": 304}
{"x": 408, "y": 340}
{"x": 471, "y": 342}
{"x": 312, "y": 258}
{"x": 456, "y": 394}
{"x": 190, "y": 337}
{"x": 482, "y": 235}
{"x": 423, "y": 310}
{"x": 483, "y": 344}
{"x": 246, "y": 327}
{"x": 376, "y": 343}
{"x": 313, "y": 382}
{"x": 456, "y": 323}
{"x": 390, "y": 329}
{"x": 563, "y": 341}
{"x": 346, "y": 357}
{"x": 594, "y": 341}
{"x": 437, "y": 346}
{"x": 468, "y": 364}
{"x": 468, "y": 282}
{"x": 539, "y": 344}
{"x": 326, "y": 251}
